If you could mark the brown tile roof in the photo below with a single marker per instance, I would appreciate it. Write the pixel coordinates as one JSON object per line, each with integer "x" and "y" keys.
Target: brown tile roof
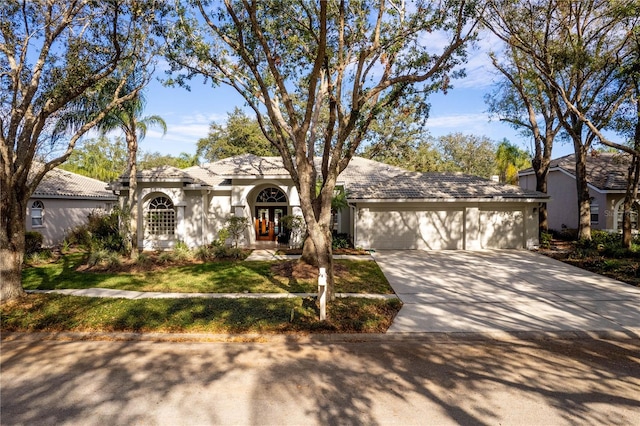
{"x": 436, "y": 186}
{"x": 63, "y": 184}
{"x": 605, "y": 170}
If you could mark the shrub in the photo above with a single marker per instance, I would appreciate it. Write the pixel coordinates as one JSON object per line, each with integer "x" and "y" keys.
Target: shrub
{"x": 236, "y": 226}
{"x": 98, "y": 257}
{"x": 101, "y": 231}
{"x": 182, "y": 252}
{"x": 142, "y": 259}
{"x": 341, "y": 241}
{"x": 39, "y": 257}
{"x": 204, "y": 253}
{"x": 545, "y": 239}
{"x": 166, "y": 257}
{"x": 232, "y": 253}
{"x": 32, "y": 242}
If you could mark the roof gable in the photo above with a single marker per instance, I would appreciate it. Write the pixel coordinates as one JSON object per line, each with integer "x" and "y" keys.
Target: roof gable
{"x": 605, "y": 170}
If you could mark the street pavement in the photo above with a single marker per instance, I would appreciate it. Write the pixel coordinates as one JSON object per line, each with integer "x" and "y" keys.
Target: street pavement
{"x": 315, "y": 381}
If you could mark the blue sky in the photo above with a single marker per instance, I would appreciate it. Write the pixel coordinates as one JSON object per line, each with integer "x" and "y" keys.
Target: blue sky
{"x": 188, "y": 114}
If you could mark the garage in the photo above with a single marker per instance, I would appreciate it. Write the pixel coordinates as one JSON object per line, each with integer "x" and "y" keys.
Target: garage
{"x": 502, "y": 229}
{"x": 458, "y": 226}
{"x": 416, "y": 227}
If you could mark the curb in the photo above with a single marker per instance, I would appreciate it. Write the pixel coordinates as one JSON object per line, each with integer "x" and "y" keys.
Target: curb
{"x": 436, "y": 337}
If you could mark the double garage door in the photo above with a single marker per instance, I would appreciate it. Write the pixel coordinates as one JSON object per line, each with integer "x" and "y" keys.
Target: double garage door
{"x": 440, "y": 229}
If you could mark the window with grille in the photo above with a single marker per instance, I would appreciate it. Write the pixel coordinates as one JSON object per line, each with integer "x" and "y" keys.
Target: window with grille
{"x": 161, "y": 217}
{"x": 271, "y": 195}
{"x": 37, "y": 218}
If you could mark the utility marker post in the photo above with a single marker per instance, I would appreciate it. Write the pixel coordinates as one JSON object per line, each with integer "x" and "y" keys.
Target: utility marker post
{"x": 322, "y": 293}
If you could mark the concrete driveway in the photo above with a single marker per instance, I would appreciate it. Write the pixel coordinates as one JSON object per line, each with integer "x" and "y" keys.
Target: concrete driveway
{"x": 505, "y": 291}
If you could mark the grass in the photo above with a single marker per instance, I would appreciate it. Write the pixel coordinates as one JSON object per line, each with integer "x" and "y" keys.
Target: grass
{"x": 57, "y": 313}
{"x": 352, "y": 276}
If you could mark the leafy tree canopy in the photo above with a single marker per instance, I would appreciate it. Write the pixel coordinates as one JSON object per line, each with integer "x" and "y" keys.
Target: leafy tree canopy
{"x": 240, "y": 134}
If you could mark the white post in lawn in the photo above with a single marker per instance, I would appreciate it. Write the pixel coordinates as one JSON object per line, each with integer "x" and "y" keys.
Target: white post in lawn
{"x": 322, "y": 293}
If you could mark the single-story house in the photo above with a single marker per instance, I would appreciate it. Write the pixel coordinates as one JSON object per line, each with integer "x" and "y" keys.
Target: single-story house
{"x": 389, "y": 207}
{"x": 607, "y": 182}
{"x": 63, "y": 201}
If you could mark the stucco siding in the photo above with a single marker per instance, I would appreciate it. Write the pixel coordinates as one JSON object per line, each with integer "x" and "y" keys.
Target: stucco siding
{"x": 61, "y": 215}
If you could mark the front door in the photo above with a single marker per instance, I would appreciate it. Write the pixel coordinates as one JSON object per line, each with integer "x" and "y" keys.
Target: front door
{"x": 268, "y": 222}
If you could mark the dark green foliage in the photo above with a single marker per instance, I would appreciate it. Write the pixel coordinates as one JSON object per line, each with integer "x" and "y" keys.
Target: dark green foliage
{"x": 341, "y": 241}
{"x": 101, "y": 232}
{"x": 545, "y": 240}
{"x": 32, "y": 242}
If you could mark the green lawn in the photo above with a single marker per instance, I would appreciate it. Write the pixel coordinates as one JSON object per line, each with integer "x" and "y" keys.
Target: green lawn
{"x": 57, "y": 313}
{"x": 214, "y": 277}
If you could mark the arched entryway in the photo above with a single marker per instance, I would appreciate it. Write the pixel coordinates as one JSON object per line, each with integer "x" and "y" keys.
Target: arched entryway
{"x": 269, "y": 209}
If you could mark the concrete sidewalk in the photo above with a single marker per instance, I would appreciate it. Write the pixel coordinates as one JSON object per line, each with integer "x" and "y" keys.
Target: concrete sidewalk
{"x": 505, "y": 291}
{"x": 128, "y": 294}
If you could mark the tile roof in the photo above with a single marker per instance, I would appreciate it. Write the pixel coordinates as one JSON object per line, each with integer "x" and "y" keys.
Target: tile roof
{"x": 605, "y": 170}
{"x": 64, "y": 184}
{"x": 363, "y": 179}
{"x": 368, "y": 179}
{"x": 248, "y": 165}
{"x": 436, "y": 186}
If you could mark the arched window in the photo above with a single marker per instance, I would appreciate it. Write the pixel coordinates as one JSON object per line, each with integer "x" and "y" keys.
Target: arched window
{"x": 619, "y": 212}
{"x": 161, "y": 217}
{"x": 271, "y": 195}
{"x": 37, "y": 210}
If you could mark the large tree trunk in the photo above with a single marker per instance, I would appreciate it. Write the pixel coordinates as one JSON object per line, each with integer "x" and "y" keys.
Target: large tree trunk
{"x": 541, "y": 169}
{"x": 13, "y": 213}
{"x": 633, "y": 180}
{"x": 309, "y": 254}
{"x": 317, "y": 215}
{"x": 584, "y": 202}
{"x": 132, "y": 231}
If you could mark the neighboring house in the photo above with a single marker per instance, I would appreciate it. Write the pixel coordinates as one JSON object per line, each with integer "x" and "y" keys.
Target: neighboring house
{"x": 63, "y": 201}
{"x": 607, "y": 182}
{"x": 389, "y": 207}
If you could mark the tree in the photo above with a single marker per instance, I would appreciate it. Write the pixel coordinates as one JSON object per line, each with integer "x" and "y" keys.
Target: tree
{"x": 509, "y": 159}
{"x": 627, "y": 121}
{"x": 150, "y": 160}
{"x": 293, "y": 60}
{"x": 397, "y": 134}
{"x": 575, "y": 47}
{"x": 98, "y": 158}
{"x": 127, "y": 117}
{"x": 52, "y": 54}
{"x": 522, "y": 100}
{"x": 240, "y": 135}
{"x": 474, "y": 155}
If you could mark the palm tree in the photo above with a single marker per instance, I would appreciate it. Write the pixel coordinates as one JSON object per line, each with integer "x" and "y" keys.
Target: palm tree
{"x": 128, "y": 118}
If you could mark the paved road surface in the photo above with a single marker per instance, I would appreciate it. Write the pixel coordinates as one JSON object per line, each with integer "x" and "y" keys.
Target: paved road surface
{"x": 284, "y": 381}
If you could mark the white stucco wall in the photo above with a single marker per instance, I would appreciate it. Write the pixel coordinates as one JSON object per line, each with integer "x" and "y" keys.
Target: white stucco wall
{"x": 62, "y": 215}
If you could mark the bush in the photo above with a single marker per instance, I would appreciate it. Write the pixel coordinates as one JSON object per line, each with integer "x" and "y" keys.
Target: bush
{"x": 545, "y": 239}
{"x": 205, "y": 253}
{"x": 101, "y": 232}
{"x": 341, "y": 241}
{"x": 182, "y": 252}
{"x": 32, "y": 242}
{"x": 143, "y": 259}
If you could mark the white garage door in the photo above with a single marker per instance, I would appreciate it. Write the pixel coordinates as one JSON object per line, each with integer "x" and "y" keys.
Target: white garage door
{"x": 410, "y": 229}
{"x": 500, "y": 229}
